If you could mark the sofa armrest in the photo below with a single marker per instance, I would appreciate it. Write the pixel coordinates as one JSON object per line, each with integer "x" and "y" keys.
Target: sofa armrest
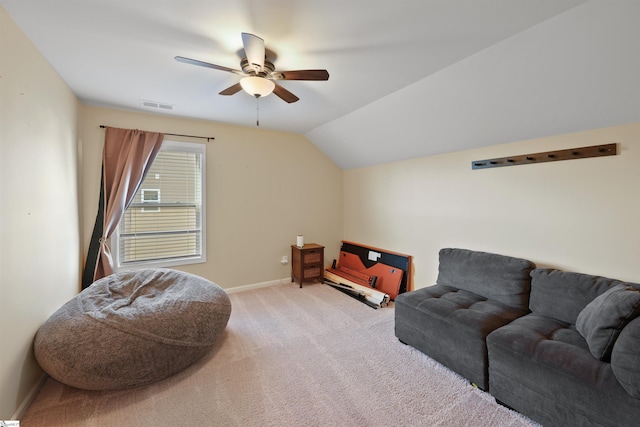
{"x": 625, "y": 358}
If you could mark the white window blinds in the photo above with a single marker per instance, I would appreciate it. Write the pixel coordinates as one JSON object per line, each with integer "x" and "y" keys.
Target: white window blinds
{"x": 164, "y": 225}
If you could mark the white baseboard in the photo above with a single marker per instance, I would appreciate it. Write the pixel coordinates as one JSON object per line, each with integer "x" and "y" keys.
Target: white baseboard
{"x": 258, "y": 285}
{"x": 30, "y": 397}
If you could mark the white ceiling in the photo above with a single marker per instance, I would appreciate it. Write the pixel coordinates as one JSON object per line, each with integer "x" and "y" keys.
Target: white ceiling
{"x": 407, "y": 77}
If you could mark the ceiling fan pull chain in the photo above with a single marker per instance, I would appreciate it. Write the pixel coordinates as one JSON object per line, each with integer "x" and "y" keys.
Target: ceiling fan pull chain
{"x": 257, "y": 111}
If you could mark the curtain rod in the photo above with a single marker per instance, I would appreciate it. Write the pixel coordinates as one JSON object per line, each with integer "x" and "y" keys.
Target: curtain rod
{"x": 208, "y": 138}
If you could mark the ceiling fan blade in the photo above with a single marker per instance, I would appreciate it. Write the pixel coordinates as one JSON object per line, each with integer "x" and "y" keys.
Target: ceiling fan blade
{"x": 284, "y": 94}
{"x": 232, "y": 90}
{"x": 254, "y": 49}
{"x": 302, "y": 75}
{"x": 207, "y": 65}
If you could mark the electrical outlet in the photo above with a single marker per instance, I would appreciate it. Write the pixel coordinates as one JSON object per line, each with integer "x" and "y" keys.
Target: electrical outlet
{"x": 284, "y": 260}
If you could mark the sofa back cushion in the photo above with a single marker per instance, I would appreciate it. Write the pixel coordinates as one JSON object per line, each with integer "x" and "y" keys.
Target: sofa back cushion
{"x": 562, "y": 295}
{"x": 496, "y": 277}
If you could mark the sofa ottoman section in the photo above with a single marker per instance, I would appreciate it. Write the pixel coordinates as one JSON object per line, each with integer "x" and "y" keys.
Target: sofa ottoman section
{"x": 476, "y": 293}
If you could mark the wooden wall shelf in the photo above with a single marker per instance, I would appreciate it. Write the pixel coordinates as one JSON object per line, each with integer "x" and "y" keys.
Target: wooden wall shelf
{"x": 547, "y": 156}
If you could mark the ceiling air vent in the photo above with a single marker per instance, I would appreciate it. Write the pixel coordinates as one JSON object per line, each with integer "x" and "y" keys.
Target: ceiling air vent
{"x": 157, "y": 105}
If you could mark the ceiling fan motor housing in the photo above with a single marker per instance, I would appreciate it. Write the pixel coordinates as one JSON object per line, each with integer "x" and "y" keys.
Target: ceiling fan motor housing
{"x": 250, "y": 69}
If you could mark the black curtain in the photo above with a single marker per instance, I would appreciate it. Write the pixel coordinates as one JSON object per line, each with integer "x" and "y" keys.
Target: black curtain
{"x": 94, "y": 245}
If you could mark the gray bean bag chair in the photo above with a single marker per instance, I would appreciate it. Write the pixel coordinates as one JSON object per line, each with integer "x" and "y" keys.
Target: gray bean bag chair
{"x": 132, "y": 328}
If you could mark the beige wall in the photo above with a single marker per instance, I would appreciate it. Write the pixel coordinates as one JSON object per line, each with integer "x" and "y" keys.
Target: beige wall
{"x": 39, "y": 253}
{"x": 579, "y": 215}
{"x": 263, "y": 188}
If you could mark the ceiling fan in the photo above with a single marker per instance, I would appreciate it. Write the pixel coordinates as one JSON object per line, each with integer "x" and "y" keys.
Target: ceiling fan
{"x": 259, "y": 75}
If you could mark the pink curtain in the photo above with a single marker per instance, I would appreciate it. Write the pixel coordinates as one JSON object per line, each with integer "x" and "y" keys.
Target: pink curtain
{"x": 126, "y": 158}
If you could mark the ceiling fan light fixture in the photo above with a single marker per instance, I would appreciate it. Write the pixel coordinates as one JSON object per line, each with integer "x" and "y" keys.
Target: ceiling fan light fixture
{"x": 257, "y": 86}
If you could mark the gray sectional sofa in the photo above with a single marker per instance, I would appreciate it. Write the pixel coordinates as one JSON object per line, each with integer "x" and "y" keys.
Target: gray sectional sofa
{"x": 562, "y": 348}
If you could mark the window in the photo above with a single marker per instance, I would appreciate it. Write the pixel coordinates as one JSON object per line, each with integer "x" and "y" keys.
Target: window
{"x": 162, "y": 232}
{"x": 150, "y": 198}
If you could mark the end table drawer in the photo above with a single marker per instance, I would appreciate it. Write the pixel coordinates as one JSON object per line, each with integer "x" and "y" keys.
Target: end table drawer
{"x": 312, "y": 256}
{"x": 311, "y": 272}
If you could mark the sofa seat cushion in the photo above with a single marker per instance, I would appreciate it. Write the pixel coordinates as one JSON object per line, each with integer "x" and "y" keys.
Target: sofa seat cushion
{"x": 450, "y": 325}
{"x": 474, "y": 313}
{"x": 542, "y": 367}
{"x": 131, "y": 329}
{"x": 549, "y": 342}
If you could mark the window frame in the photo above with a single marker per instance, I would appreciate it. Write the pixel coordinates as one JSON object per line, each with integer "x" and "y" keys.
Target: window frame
{"x": 168, "y": 145}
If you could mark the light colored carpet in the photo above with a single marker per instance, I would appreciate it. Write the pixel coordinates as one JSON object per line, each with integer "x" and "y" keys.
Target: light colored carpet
{"x": 290, "y": 357}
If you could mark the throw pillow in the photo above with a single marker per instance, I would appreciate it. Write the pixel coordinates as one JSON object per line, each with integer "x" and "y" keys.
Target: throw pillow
{"x": 601, "y": 321}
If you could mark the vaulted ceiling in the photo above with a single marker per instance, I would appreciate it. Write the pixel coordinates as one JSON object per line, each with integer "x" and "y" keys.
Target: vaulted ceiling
{"x": 408, "y": 78}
